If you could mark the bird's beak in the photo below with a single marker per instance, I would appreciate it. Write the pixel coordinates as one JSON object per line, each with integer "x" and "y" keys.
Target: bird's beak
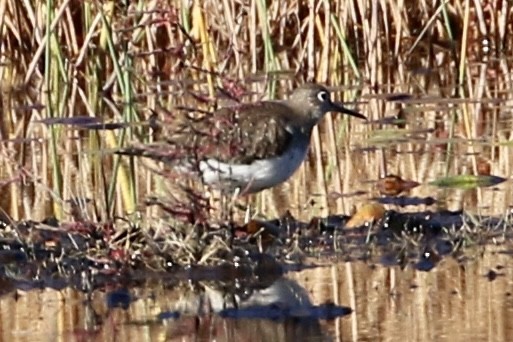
{"x": 339, "y": 108}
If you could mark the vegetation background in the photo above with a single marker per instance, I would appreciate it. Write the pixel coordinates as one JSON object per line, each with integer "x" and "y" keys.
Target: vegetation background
{"x": 78, "y": 80}
{"x": 69, "y": 66}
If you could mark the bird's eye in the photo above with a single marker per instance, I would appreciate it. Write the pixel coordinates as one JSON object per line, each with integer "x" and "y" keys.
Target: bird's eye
{"x": 323, "y": 96}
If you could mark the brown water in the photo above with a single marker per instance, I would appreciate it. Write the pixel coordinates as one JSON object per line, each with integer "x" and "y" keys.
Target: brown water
{"x": 457, "y": 301}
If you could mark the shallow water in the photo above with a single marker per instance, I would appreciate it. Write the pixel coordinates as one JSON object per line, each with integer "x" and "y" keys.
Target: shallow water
{"x": 466, "y": 300}
{"x": 434, "y": 109}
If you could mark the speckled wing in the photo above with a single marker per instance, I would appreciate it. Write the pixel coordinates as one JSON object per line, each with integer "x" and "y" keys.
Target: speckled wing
{"x": 238, "y": 134}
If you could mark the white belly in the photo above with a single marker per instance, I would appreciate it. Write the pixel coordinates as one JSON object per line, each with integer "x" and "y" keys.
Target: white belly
{"x": 259, "y": 175}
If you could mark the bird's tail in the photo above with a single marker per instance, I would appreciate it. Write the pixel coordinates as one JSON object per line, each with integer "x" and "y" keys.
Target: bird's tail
{"x": 174, "y": 157}
{"x": 137, "y": 152}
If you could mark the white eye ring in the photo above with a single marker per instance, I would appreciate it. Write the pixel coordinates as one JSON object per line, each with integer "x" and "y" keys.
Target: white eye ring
{"x": 323, "y": 96}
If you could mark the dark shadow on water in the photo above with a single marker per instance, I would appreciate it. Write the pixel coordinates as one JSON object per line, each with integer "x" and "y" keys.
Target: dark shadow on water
{"x": 255, "y": 255}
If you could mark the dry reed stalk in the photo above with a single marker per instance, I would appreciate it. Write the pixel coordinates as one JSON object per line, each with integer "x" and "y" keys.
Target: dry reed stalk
{"x": 113, "y": 62}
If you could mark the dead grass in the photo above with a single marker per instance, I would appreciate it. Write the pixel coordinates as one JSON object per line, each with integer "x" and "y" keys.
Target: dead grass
{"x": 68, "y": 58}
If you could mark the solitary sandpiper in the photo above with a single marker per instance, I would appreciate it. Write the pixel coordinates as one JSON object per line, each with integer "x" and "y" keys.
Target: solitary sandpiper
{"x": 248, "y": 147}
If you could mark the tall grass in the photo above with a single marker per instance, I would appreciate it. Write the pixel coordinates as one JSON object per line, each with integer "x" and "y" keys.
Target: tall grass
{"x": 115, "y": 61}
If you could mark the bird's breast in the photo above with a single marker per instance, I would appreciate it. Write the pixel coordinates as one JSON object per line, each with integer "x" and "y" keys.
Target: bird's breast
{"x": 258, "y": 175}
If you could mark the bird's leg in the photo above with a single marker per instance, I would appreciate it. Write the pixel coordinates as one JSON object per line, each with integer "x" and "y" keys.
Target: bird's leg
{"x": 227, "y": 199}
{"x": 231, "y": 204}
{"x": 245, "y": 192}
{"x": 247, "y": 214}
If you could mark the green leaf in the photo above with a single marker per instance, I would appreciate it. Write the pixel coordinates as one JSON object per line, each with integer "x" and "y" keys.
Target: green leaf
{"x": 467, "y": 181}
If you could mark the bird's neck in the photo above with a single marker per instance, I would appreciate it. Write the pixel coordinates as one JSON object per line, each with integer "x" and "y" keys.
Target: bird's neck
{"x": 303, "y": 131}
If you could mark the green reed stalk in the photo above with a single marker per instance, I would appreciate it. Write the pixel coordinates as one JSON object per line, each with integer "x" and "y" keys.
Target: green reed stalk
{"x": 124, "y": 83}
{"x": 270, "y": 58}
{"x": 345, "y": 47}
{"x": 51, "y": 84}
